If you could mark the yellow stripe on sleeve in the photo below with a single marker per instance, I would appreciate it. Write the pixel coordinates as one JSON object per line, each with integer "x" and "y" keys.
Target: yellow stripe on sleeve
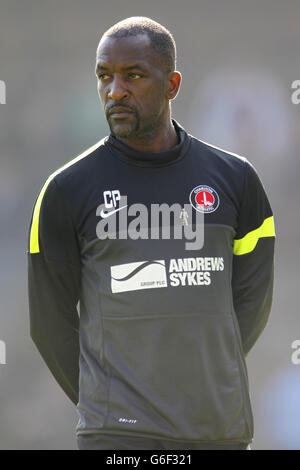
{"x": 34, "y": 232}
{"x": 248, "y": 242}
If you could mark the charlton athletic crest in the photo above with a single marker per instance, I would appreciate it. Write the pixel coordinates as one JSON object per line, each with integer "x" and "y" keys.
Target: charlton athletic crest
{"x": 204, "y": 199}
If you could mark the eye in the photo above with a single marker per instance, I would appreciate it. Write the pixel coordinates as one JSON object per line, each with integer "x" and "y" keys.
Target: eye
{"x": 135, "y": 75}
{"x": 103, "y": 76}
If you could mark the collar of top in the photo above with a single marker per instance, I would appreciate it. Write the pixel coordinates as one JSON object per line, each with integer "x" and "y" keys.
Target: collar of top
{"x": 136, "y": 157}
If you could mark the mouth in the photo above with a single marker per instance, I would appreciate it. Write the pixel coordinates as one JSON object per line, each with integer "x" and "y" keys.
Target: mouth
{"x": 119, "y": 113}
{"x": 122, "y": 115}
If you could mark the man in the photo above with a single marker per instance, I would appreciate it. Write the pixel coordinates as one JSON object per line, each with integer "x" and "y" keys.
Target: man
{"x": 156, "y": 357}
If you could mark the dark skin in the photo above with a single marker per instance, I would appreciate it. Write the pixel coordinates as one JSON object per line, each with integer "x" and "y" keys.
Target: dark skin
{"x": 135, "y": 90}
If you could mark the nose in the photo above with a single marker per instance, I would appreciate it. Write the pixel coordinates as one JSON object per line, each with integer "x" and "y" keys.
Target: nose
{"x": 117, "y": 91}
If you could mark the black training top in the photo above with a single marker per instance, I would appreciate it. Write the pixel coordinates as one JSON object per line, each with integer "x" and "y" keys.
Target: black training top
{"x": 170, "y": 257}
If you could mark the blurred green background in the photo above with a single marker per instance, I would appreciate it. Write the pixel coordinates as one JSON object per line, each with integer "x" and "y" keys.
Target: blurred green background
{"x": 238, "y": 59}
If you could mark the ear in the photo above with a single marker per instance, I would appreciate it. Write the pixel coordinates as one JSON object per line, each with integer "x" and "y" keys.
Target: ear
{"x": 173, "y": 84}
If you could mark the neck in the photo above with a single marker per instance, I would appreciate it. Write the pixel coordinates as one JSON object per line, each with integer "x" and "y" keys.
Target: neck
{"x": 161, "y": 139}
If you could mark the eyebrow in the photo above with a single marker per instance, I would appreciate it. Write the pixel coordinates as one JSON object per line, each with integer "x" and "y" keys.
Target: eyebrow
{"x": 100, "y": 68}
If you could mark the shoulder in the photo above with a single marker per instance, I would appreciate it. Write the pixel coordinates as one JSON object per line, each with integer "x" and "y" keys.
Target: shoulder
{"x": 219, "y": 157}
{"x": 64, "y": 181}
{"x": 81, "y": 165}
{"x": 68, "y": 176}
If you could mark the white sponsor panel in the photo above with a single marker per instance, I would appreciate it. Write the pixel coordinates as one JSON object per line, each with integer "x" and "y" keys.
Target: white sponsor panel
{"x": 140, "y": 275}
{"x": 153, "y": 274}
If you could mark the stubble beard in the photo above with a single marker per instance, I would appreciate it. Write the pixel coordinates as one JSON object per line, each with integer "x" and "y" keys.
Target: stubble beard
{"x": 124, "y": 129}
{"x": 141, "y": 130}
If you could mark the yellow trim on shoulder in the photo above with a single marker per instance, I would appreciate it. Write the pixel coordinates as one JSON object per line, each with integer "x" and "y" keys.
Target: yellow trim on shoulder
{"x": 248, "y": 242}
{"x": 34, "y": 232}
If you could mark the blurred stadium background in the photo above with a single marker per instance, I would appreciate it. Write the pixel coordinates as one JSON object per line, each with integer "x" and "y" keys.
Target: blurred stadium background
{"x": 238, "y": 59}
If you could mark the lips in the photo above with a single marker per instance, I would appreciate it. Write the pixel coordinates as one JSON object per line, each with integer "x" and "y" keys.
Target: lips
{"x": 119, "y": 112}
{"x": 119, "y": 115}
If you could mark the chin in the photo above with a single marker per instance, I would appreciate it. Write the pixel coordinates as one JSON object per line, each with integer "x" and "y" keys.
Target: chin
{"x": 122, "y": 130}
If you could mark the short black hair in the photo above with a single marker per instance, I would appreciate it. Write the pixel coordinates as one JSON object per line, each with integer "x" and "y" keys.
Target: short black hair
{"x": 161, "y": 39}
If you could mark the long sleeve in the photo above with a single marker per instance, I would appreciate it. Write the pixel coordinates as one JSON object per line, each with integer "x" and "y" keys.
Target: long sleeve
{"x": 253, "y": 260}
{"x": 53, "y": 287}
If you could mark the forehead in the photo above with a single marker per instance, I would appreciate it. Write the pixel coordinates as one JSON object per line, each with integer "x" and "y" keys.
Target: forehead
{"x": 120, "y": 52}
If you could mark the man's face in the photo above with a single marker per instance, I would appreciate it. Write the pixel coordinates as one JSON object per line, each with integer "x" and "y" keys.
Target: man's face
{"x": 131, "y": 85}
